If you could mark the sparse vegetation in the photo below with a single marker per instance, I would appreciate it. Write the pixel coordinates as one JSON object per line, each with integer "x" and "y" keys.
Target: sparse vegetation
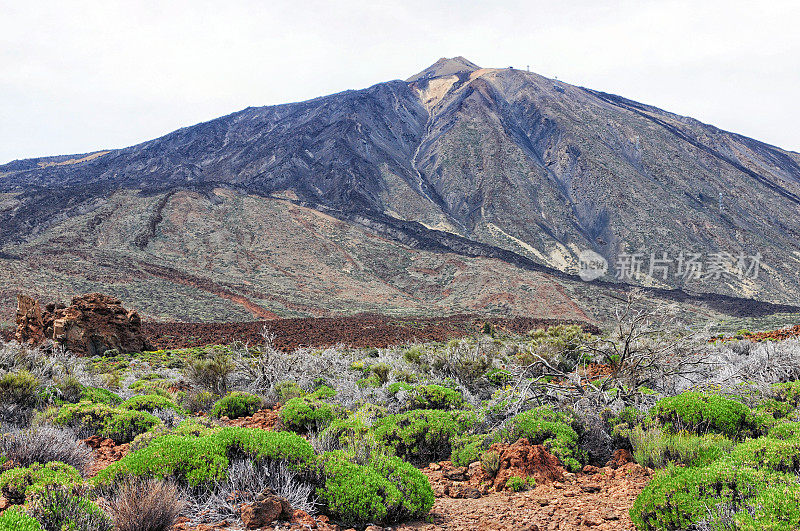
{"x": 352, "y": 425}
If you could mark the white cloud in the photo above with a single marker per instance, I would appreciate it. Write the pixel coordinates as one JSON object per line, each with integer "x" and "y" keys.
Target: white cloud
{"x": 84, "y": 75}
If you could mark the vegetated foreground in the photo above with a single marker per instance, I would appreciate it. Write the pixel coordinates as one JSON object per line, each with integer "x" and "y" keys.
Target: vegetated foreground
{"x": 360, "y": 331}
{"x": 553, "y": 428}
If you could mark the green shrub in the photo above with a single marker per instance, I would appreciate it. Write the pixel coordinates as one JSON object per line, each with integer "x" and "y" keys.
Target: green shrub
{"x": 435, "y": 397}
{"x": 210, "y": 370}
{"x": 286, "y": 390}
{"x": 14, "y": 519}
{"x": 768, "y": 453}
{"x": 516, "y": 484}
{"x": 655, "y": 449}
{"x": 785, "y": 430}
{"x": 384, "y": 491}
{"x": 22, "y": 484}
{"x": 61, "y": 509}
{"x": 194, "y": 460}
{"x": 490, "y": 462}
{"x": 679, "y": 497}
{"x": 775, "y": 408}
{"x": 19, "y": 388}
{"x": 121, "y": 425}
{"x": 466, "y": 449}
{"x": 235, "y": 405}
{"x": 499, "y": 377}
{"x": 549, "y": 428}
{"x": 307, "y": 412}
{"x": 704, "y": 412}
{"x": 787, "y": 392}
{"x": 149, "y": 403}
{"x": 100, "y": 396}
{"x": 323, "y": 392}
{"x": 422, "y": 435}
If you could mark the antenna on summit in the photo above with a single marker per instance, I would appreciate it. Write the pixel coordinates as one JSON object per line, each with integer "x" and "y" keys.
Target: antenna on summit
{"x": 529, "y": 69}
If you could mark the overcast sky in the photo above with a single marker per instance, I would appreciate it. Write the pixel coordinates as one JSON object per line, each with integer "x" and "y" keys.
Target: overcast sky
{"x": 81, "y": 76}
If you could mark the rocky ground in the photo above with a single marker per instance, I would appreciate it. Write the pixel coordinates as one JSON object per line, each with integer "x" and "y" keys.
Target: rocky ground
{"x": 466, "y": 498}
{"x": 365, "y": 330}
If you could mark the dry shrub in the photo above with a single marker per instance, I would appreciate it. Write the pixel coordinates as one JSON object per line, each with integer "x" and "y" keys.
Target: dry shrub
{"x": 146, "y": 505}
{"x": 43, "y": 444}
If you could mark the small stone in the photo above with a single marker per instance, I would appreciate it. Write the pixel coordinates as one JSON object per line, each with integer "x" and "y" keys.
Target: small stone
{"x": 435, "y": 466}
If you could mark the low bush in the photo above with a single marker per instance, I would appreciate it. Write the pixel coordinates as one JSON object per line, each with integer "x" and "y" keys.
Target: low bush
{"x": 197, "y": 401}
{"x": 386, "y": 490}
{"x": 236, "y": 405}
{"x": 655, "y": 449}
{"x": 467, "y": 449}
{"x": 19, "y": 388}
{"x": 146, "y": 505}
{"x": 679, "y": 497}
{"x": 435, "y": 397}
{"x": 286, "y": 390}
{"x": 210, "y": 370}
{"x": 788, "y": 392}
{"x": 121, "y": 425}
{"x": 21, "y": 484}
{"x": 149, "y": 403}
{"x": 43, "y": 444}
{"x": 701, "y": 413}
{"x": 13, "y": 519}
{"x": 195, "y": 461}
{"x": 785, "y": 430}
{"x": 308, "y": 412}
{"x": 423, "y": 435}
{"x": 517, "y": 484}
{"x": 59, "y": 509}
{"x": 768, "y": 453}
{"x": 100, "y": 396}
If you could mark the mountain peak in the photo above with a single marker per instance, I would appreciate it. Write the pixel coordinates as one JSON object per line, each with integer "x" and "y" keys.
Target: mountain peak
{"x": 446, "y": 66}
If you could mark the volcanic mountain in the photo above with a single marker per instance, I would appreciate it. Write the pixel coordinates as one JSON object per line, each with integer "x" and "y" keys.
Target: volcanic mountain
{"x": 461, "y": 189}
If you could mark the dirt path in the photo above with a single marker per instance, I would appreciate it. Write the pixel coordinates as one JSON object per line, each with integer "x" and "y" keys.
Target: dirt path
{"x": 598, "y": 501}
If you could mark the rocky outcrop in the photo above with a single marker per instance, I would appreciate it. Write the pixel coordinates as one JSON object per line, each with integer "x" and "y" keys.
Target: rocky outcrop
{"x": 30, "y": 323}
{"x": 91, "y": 325}
{"x": 266, "y": 508}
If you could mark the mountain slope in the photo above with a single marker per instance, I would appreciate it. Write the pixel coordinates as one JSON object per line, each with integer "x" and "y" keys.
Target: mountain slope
{"x": 498, "y": 163}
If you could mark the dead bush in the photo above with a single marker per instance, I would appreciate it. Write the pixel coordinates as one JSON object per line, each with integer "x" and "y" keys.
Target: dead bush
{"x": 146, "y": 505}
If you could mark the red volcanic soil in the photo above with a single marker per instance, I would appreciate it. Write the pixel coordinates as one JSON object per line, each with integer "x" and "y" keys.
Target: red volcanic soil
{"x": 365, "y": 330}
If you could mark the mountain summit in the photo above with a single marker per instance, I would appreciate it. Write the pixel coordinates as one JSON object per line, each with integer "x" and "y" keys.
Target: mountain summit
{"x": 462, "y": 189}
{"x": 446, "y": 67}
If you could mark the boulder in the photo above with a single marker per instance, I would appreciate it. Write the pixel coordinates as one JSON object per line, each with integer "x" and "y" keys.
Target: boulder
{"x": 523, "y": 459}
{"x": 266, "y": 508}
{"x": 92, "y": 324}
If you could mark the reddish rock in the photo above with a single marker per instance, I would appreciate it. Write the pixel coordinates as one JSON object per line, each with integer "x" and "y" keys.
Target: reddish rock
{"x": 621, "y": 457}
{"x": 30, "y": 322}
{"x": 267, "y": 508}
{"x": 91, "y": 325}
{"x": 523, "y": 459}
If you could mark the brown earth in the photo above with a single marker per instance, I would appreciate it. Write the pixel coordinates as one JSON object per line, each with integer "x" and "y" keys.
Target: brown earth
{"x": 104, "y": 452}
{"x": 364, "y": 330}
